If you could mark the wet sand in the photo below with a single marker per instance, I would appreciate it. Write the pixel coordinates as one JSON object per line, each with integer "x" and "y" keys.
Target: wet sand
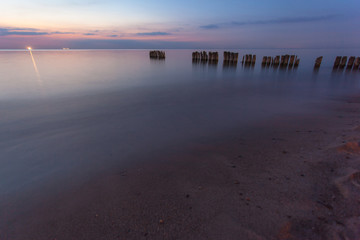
{"x": 288, "y": 178}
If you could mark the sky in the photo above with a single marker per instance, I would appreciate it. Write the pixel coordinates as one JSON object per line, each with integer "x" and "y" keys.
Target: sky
{"x": 113, "y": 24}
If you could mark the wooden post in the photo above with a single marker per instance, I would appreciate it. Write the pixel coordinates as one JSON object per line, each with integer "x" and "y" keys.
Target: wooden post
{"x": 318, "y": 62}
{"x": 248, "y": 59}
{"x": 297, "y": 62}
{"x": 292, "y": 59}
{"x": 157, "y": 54}
{"x": 337, "y": 62}
{"x": 350, "y": 62}
{"x": 286, "y": 60}
{"x": 282, "y": 60}
{"x": 343, "y": 62}
{"x": 253, "y": 61}
{"x": 356, "y": 63}
{"x": 268, "y": 62}
{"x": 236, "y": 57}
{"x": 264, "y": 60}
{"x": 226, "y": 56}
{"x": 277, "y": 61}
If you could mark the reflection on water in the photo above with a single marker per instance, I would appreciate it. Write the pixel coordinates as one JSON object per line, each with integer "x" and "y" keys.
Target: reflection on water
{"x": 103, "y": 108}
{"x": 80, "y": 72}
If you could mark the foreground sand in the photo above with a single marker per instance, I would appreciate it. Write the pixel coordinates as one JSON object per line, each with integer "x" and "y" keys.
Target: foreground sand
{"x": 291, "y": 178}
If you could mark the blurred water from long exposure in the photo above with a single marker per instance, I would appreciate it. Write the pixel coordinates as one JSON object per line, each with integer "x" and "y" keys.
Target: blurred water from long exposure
{"x": 68, "y": 114}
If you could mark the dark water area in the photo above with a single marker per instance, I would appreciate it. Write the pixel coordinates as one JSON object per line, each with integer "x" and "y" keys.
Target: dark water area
{"x": 67, "y": 115}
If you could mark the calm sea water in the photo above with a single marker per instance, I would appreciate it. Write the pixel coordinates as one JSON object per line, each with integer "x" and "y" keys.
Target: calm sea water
{"x": 66, "y": 114}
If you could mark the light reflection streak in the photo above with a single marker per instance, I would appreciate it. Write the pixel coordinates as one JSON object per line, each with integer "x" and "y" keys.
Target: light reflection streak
{"x": 40, "y": 83}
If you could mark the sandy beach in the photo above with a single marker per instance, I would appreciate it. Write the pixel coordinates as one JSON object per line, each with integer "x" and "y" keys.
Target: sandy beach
{"x": 289, "y": 178}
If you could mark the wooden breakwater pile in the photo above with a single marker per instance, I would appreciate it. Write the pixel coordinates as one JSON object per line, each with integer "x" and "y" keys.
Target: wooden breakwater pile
{"x": 231, "y": 56}
{"x": 230, "y": 59}
{"x": 211, "y": 57}
{"x": 248, "y": 59}
{"x": 157, "y": 54}
{"x": 341, "y": 62}
{"x": 282, "y": 61}
{"x": 318, "y": 62}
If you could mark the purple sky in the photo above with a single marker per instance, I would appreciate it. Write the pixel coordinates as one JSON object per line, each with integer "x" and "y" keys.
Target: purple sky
{"x": 186, "y": 24}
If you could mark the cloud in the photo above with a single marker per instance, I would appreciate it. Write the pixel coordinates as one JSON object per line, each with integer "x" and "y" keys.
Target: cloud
{"x": 8, "y": 31}
{"x": 89, "y": 34}
{"x": 114, "y": 35}
{"x": 57, "y": 32}
{"x": 210, "y": 26}
{"x": 21, "y": 32}
{"x": 153, "y": 34}
{"x": 287, "y": 20}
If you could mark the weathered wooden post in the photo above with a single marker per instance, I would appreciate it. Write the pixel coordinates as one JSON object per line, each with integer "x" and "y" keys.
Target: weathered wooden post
{"x": 268, "y": 61}
{"x": 213, "y": 57}
{"x": 292, "y": 59}
{"x": 226, "y": 56}
{"x": 337, "y": 62}
{"x": 343, "y": 62}
{"x": 318, "y": 62}
{"x": 277, "y": 61}
{"x": 161, "y": 55}
{"x": 297, "y": 62}
{"x": 204, "y": 56}
{"x": 356, "y": 63}
{"x": 253, "y": 61}
{"x": 350, "y": 62}
{"x": 264, "y": 60}
{"x": 286, "y": 60}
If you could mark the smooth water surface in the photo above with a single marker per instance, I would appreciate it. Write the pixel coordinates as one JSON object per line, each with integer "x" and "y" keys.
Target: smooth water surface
{"x": 66, "y": 114}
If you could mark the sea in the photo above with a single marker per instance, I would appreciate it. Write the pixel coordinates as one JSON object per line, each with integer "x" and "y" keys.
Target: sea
{"x": 68, "y": 115}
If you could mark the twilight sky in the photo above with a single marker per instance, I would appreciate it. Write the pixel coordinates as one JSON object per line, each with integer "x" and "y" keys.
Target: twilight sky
{"x": 179, "y": 24}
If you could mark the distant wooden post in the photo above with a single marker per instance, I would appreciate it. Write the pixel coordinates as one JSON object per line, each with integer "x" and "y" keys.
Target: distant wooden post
{"x": 350, "y": 62}
{"x": 356, "y": 63}
{"x": 343, "y": 62}
{"x": 337, "y": 62}
{"x": 277, "y": 61}
{"x": 249, "y": 59}
{"x": 157, "y": 54}
{"x": 236, "y": 57}
{"x": 282, "y": 60}
{"x": 253, "y": 60}
{"x": 264, "y": 60}
{"x": 286, "y": 60}
{"x": 318, "y": 62}
{"x": 268, "y": 62}
{"x": 292, "y": 59}
{"x": 297, "y": 62}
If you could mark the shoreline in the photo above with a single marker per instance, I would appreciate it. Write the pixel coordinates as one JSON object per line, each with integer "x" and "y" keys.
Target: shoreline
{"x": 291, "y": 178}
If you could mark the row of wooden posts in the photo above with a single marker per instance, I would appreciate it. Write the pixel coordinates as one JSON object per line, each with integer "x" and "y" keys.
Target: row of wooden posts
{"x": 249, "y": 59}
{"x": 283, "y": 61}
{"x": 340, "y": 62}
{"x": 157, "y": 54}
{"x": 204, "y": 56}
